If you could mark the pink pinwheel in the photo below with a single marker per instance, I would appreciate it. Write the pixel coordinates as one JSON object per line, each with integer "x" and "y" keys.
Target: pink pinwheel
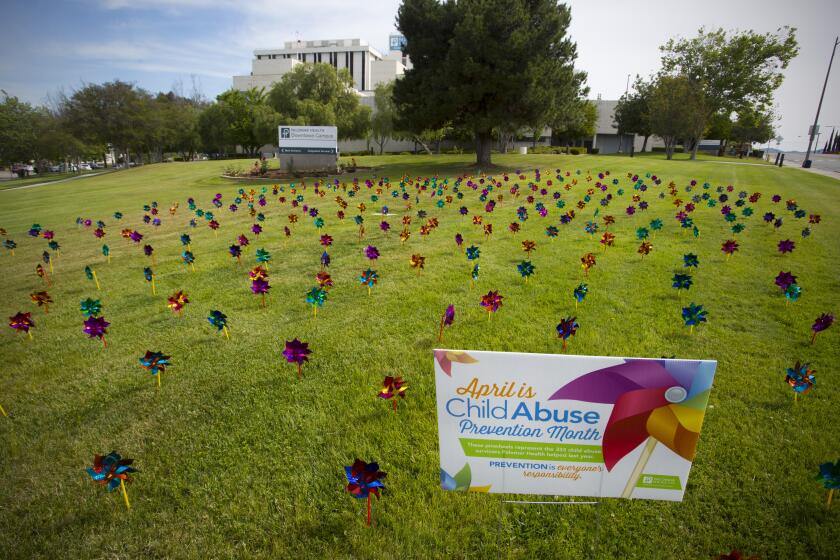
{"x": 653, "y": 401}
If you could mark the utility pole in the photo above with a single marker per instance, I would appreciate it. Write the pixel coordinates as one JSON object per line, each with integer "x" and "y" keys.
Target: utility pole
{"x": 807, "y": 162}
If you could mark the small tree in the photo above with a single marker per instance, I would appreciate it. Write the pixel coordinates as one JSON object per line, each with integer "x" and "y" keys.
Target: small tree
{"x": 677, "y": 110}
{"x": 632, "y": 113}
{"x": 752, "y": 127}
{"x": 575, "y": 122}
{"x": 385, "y": 112}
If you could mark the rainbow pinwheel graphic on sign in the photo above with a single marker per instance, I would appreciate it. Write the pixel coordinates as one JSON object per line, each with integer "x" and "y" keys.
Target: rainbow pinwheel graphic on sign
{"x": 653, "y": 402}
{"x": 446, "y": 357}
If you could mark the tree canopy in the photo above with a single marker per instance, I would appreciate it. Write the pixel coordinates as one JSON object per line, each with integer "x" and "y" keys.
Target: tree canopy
{"x": 485, "y": 64}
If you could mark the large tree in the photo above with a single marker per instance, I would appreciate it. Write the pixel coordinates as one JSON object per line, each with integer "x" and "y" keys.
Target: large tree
{"x": 18, "y": 130}
{"x": 751, "y": 127}
{"x": 485, "y": 65}
{"x": 320, "y": 95}
{"x": 632, "y": 113}
{"x": 732, "y": 70}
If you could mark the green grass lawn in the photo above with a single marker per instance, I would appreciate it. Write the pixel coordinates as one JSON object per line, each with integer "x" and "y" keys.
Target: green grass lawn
{"x": 238, "y": 458}
{"x": 46, "y": 178}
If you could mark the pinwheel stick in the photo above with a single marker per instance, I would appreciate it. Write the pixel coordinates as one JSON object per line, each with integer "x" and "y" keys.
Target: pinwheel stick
{"x": 30, "y": 334}
{"x": 227, "y": 335}
{"x": 813, "y": 337}
{"x": 51, "y": 266}
{"x": 3, "y": 412}
{"x": 830, "y": 495}
{"x": 440, "y": 334}
{"x": 125, "y": 494}
{"x": 96, "y": 279}
{"x": 368, "y": 508}
{"x": 650, "y": 444}
{"x": 154, "y": 292}
{"x": 300, "y": 373}
{"x": 158, "y": 378}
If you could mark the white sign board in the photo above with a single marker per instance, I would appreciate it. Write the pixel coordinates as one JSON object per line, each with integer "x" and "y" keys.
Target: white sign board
{"x": 569, "y": 425}
{"x": 307, "y": 140}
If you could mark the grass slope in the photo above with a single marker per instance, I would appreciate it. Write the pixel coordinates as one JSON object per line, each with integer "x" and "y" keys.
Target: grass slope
{"x": 239, "y": 459}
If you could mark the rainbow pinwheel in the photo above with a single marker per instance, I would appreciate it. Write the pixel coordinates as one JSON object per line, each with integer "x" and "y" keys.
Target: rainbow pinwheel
{"x": 177, "y": 301}
{"x": 645, "y": 248}
{"x": 800, "y": 378}
{"x": 393, "y": 387}
{"x": 446, "y": 320}
{"x": 112, "y": 472}
{"x": 830, "y": 478}
{"x": 526, "y": 269}
{"x": 566, "y": 328}
{"x": 41, "y": 299}
{"x": 323, "y": 279}
{"x": 491, "y": 301}
{"x": 654, "y": 401}
{"x": 693, "y": 315}
{"x": 22, "y": 322}
{"x": 364, "y": 479}
{"x": 580, "y": 293}
{"x": 369, "y": 278}
{"x": 155, "y": 363}
{"x": 189, "y": 259}
{"x": 316, "y": 297}
{"x": 10, "y": 245}
{"x": 297, "y": 352}
{"x": 821, "y": 323}
{"x": 219, "y": 320}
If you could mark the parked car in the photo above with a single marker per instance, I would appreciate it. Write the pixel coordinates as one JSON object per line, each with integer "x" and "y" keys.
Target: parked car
{"x": 84, "y": 166}
{"x": 55, "y": 168}
{"x": 98, "y": 165}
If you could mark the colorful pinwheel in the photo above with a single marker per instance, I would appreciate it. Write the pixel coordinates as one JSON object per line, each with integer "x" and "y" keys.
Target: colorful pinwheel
{"x": 260, "y": 286}
{"x": 189, "y": 259}
{"x": 90, "y": 307}
{"x": 97, "y": 327}
{"x": 236, "y": 252}
{"x": 446, "y": 320}
{"x": 526, "y": 269}
{"x": 219, "y": 320}
{"x": 653, "y": 402}
{"x": 580, "y": 293}
{"x": 364, "y": 479}
{"x": 785, "y": 279}
{"x": 529, "y": 247}
{"x": 645, "y": 248}
{"x": 22, "y": 322}
{"x": 371, "y": 252}
{"x": 830, "y": 478}
{"x": 567, "y": 327}
{"x": 297, "y": 352}
{"x": 729, "y": 247}
{"x": 587, "y": 261}
{"x": 323, "y": 279}
{"x": 417, "y": 262}
{"x": 90, "y": 274}
{"x": 473, "y": 253}
{"x": 316, "y": 297}
{"x": 491, "y": 301}
{"x": 41, "y": 299}
{"x": 393, "y": 387}
{"x": 693, "y": 315}
{"x": 792, "y": 293}
{"x": 369, "y": 278}
{"x": 155, "y": 363}
{"x": 149, "y": 275}
{"x": 690, "y": 259}
{"x": 112, "y": 472}
{"x": 786, "y": 246}
{"x": 800, "y": 378}
{"x": 681, "y": 282}
{"x": 177, "y": 301}
{"x": 821, "y": 323}
{"x": 263, "y": 257}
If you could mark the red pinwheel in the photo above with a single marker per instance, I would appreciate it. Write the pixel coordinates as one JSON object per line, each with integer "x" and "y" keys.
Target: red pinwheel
{"x": 393, "y": 387}
{"x": 364, "y": 479}
{"x": 22, "y": 322}
{"x": 653, "y": 402}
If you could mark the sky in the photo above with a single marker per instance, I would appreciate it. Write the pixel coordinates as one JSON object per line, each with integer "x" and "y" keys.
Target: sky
{"x": 50, "y": 47}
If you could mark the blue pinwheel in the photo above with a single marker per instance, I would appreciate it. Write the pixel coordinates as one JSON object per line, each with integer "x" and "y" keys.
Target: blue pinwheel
{"x": 681, "y": 281}
{"x": 693, "y": 315}
{"x": 219, "y": 320}
{"x": 830, "y": 478}
{"x": 526, "y": 269}
{"x": 364, "y": 479}
{"x": 800, "y": 378}
{"x": 580, "y": 293}
{"x": 112, "y": 472}
{"x": 155, "y": 363}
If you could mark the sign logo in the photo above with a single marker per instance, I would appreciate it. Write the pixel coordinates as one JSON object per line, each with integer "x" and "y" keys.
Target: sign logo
{"x": 285, "y": 132}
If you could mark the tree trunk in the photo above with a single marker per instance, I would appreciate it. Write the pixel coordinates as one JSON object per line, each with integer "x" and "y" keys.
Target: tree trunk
{"x": 483, "y": 142}
{"x": 644, "y": 144}
{"x": 694, "y": 149}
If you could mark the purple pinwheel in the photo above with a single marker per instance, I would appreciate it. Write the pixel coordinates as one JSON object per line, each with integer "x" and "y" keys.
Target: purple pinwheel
{"x": 297, "y": 352}
{"x": 446, "y": 320}
{"x": 371, "y": 252}
{"x": 97, "y": 327}
{"x": 786, "y": 246}
{"x": 820, "y": 324}
{"x": 785, "y": 279}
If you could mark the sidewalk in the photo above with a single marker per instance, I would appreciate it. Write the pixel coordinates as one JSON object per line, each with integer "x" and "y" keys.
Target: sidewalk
{"x": 58, "y": 181}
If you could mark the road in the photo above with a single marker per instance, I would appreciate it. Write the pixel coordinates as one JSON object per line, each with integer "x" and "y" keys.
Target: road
{"x": 828, "y": 164}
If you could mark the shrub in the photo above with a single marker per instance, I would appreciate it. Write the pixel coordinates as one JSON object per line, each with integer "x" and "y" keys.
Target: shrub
{"x": 595, "y": 151}
{"x": 574, "y": 152}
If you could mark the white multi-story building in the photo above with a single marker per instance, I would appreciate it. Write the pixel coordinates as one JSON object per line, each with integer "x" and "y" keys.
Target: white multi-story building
{"x": 366, "y": 65}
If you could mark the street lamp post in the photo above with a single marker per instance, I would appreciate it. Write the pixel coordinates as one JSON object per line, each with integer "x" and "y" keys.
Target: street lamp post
{"x": 807, "y": 162}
